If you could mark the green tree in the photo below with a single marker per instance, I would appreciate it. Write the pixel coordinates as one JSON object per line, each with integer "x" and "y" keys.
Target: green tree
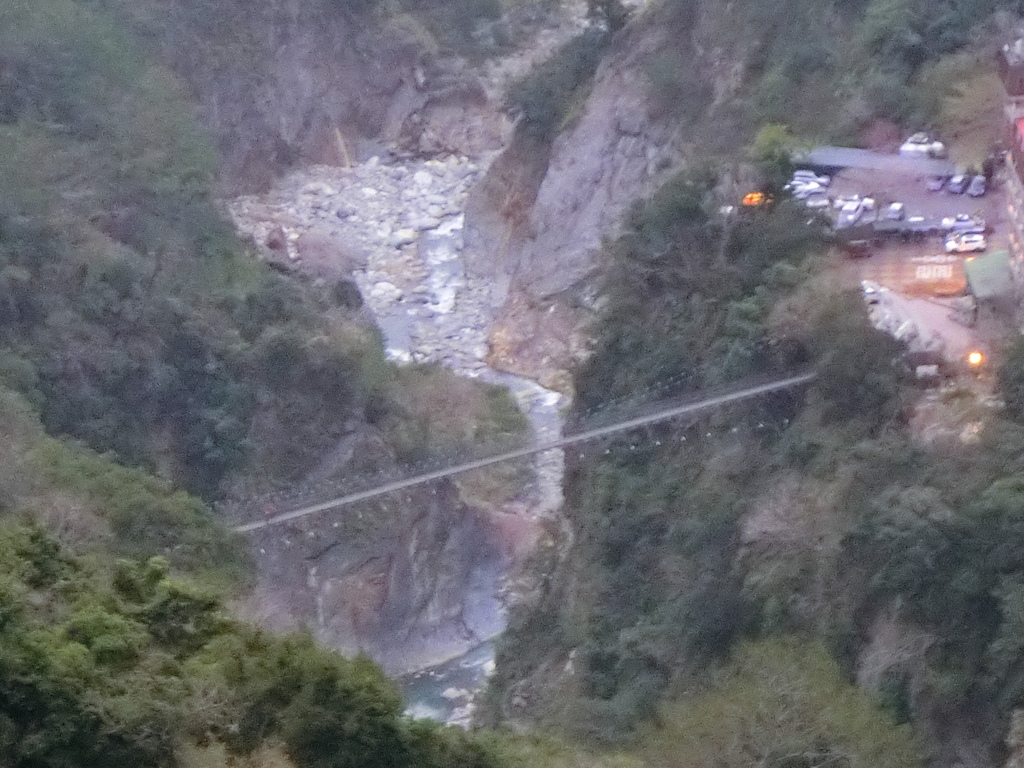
{"x": 780, "y": 703}
{"x": 772, "y": 152}
{"x": 890, "y": 29}
{"x": 1010, "y": 377}
{"x": 859, "y": 375}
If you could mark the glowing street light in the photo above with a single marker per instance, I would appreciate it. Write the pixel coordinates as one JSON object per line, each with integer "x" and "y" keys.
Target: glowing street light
{"x": 974, "y": 359}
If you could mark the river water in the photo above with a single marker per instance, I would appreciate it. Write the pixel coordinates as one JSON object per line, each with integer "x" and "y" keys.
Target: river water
{"x": 446, "y": 692}
{"x": 395, "y": 228}
{"x": 396, "y": 231}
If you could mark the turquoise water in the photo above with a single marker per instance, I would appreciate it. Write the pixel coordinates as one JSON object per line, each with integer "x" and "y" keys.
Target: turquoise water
{"x": 445, "y": 692}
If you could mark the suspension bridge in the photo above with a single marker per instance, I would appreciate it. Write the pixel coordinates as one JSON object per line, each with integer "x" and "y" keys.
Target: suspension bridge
{"x": 659, "y": 414}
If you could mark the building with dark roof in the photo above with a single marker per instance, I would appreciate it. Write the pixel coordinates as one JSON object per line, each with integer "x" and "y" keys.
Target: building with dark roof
{"x": 833, "y": 159}
{"x": 1010, "y": 64}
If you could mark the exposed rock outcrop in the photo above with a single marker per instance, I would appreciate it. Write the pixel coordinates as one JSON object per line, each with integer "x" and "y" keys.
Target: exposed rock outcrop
{"x": 411, "y": 580}
{"x": 536, "y": 223}
{"x": 287, "y": 83}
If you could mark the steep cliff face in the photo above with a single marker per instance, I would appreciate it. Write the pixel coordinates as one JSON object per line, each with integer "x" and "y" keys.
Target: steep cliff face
{"x": 538, "y": 221}
{"x": 411, "y": 581}
{"x": 290, "y": 83}
{"x": 293, "y": 83}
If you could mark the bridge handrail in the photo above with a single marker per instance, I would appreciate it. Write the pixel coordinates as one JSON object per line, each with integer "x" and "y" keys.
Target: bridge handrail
{"x": 697, "y": 402}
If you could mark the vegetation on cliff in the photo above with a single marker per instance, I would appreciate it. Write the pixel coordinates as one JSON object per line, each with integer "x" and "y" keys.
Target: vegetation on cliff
{"x": 132, "y": 318}
{"x": 779, "y": 703}
{"x": 125, "y": 664}
{"x": 817, "y": 516}
{"x": 143, "y": 350}
{"x": 832, "y": 69}
{"x": 553, "y": 93}
{"x": 652, "y": 590}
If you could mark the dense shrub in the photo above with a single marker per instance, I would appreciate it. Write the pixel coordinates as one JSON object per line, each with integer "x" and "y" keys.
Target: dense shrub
{"x": 780, "y": 703}
{"x": 1011, "y": 378}
{"x": 547, "y": 97}
{"x": 125, "y": 665}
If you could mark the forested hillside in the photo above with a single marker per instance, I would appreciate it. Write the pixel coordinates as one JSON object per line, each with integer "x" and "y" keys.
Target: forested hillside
{"x": 146, "y": 355}
{"x": 796, "y": 583}
{"x": 133, "y": 318}
{"x": 817, "y": 515}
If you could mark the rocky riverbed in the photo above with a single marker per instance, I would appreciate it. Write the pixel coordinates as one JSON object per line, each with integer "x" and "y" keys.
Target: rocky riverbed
{"x": 395, "y": 230}
{"x": 393, "y": 225}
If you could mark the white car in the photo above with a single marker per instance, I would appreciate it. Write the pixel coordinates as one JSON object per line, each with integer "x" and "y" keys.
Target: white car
{"x": 804, "y": 177}
{"x": 842, "y": 200}
{"x": 817, "y": 201}
{"x": 854, "y": 211}
{"x": 966, "y": 242}
{"x": 849, "y": 214}
{"x": 894, "y": 212}
{"x": 922, "y": 145}
{"x": 873, "y": 292}
{"x": 803, "y": 189}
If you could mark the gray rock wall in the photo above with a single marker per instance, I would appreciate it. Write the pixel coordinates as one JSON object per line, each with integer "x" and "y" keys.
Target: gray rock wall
{"x": 415, "y": 579}
{"x": 411, "y": 580}
{"x": 536, "y": 223}
{"x": 286, "y": 83}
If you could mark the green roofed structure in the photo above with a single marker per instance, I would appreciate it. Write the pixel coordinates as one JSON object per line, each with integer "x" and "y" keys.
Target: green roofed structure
{"x": 990, "y": 281}
{"x": 988, "y": 276}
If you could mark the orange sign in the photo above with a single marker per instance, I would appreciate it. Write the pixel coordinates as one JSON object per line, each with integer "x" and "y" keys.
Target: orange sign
{"x": 935, "y": 275}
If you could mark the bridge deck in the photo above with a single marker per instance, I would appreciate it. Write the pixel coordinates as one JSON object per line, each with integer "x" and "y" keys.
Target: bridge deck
{"x": 664, "y": 414}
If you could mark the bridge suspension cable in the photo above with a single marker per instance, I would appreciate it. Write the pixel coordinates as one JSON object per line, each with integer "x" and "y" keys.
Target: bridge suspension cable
{"x": 663, "y": 414}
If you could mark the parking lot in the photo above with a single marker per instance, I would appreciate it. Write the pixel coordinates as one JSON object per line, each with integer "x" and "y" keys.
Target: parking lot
{"x": 921, "y": 285}
{"x": 888, "y": 187}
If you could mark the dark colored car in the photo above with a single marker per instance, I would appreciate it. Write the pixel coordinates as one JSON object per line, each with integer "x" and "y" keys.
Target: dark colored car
{"x": 977, "y": 187}
{"x": 962, "y": 222}
{"x": 957, "y": 184}
{"x": 936, "y": 183}
{"x": 856, "y": 249}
